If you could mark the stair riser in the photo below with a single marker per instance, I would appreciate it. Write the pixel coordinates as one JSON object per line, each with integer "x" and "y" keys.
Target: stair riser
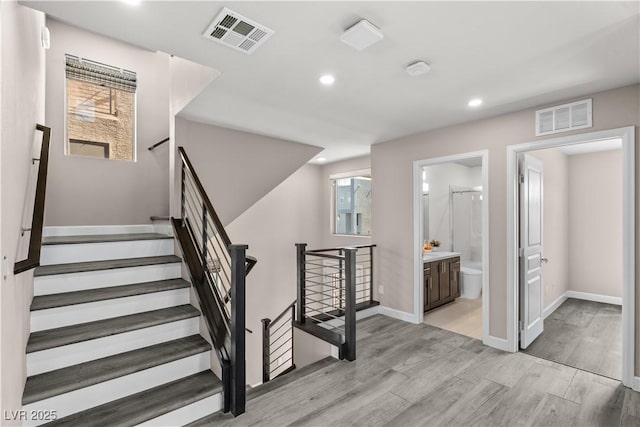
{"x": 89, "y": 312}
{"x": 189, "y": 413}
{"x": 98, "y": 394}
{"x": 72, "y": 354}
{"x": 93, "y": 230}
{"x": 65, "y": 254}
{"x": 54, "y": 284}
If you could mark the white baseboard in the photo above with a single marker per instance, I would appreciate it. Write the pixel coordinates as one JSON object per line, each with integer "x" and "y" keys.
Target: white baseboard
{"x": 397, "y": 314}
{"x": 636, "y": 383}
{"x": 495, "y": 342}
{"x": 554, "y": 305}
{"x": 594, "y": 297}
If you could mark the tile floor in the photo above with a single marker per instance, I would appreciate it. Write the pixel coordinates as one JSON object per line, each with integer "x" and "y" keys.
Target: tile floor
{"x": 583, "y": 334}
{"x": 463, "y": 316}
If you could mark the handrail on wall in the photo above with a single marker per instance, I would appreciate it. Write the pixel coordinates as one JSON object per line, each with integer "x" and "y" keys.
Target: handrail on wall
{"x": 159, "y": 143}
{"x": 37, "y": 221}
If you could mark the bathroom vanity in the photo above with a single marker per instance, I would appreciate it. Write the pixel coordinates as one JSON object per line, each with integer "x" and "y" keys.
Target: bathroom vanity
{"x": 441, "y": 279}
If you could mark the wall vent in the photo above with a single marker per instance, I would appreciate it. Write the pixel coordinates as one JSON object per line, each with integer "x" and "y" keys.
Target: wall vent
{"x": 237, "y": 32}
{"x": 563, "y": 118}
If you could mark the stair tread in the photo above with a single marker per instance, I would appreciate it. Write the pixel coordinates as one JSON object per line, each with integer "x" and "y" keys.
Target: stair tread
{"x": 64, "y": 380}
{"x": 102, "y": 238}
{"x": 50, "y": 338}
{"x": 78, "y": 267}
{"x": 43, "y": 302}
{"x": 146, "y": 405}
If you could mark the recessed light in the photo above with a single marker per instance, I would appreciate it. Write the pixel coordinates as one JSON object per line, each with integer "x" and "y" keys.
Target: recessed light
{"x": 475, "y": 102}
{"x": 132, "y": 2}
{"x": 321, "y": 159}
{"x": 327, "y": 79}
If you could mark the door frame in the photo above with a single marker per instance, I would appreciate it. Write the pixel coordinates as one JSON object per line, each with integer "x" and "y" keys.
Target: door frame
{"x": 418, "y": 297}
{"x": 627, "y": 135}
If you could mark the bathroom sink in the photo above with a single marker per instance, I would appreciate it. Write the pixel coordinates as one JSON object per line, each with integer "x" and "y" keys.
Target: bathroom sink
{"x": 435, "y": 256}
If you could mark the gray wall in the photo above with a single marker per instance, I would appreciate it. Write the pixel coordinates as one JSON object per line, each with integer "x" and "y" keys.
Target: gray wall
{"x": 22, "y": 71}
{"x": 271, "y": 227}
{"x": 238, "y": 168}
{"x": 393, "y": 205}
{"x": 90, "y": 191}
{"x": 595, "y": 229}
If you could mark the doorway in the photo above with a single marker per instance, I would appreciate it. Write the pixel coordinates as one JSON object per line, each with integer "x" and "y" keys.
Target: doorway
{"x": 451, "y": 243}
{"x": 527, "y": 256}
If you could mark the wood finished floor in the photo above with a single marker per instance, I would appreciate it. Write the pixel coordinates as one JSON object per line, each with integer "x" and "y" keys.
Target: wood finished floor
{"x": 583, "y": 334}
{"x": 420, "y": 375}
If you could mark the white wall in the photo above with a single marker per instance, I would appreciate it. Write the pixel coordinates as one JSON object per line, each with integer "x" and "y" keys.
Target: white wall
{"x": 439, "y": 178}
{"x": 556, "y": 216}
{"x": 83, "y": 190}
{"x": 595, "y": 229}
{"x": 271, "y": 227}
{"x": 22, "y": 91}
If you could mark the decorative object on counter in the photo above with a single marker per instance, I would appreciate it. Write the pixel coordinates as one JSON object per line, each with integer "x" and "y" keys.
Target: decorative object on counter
{"x": 426, "y": 247}
{"x": 434, "y": 245}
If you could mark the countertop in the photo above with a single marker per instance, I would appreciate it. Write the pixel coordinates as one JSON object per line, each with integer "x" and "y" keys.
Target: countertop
{"x": 437, "y": 256}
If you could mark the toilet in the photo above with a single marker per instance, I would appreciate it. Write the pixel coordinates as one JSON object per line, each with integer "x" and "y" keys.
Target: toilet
{"x": 471, "y": 280}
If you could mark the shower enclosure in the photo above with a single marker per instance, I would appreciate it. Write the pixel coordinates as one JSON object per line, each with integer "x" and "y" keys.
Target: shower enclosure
{"x": 465, "y": 222}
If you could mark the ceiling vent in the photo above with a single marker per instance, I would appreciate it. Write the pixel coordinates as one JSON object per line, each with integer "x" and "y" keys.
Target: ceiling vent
{"x": 565, "y": 117}
{"x": 237, "y": 32}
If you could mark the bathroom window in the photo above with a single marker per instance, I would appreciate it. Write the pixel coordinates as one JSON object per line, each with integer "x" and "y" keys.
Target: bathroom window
{"x": 351, "y": 203}
{"x": 100, "y": 110}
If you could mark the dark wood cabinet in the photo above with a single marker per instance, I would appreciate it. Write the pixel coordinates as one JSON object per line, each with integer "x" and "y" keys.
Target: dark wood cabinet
{"x": 441, "y": 282}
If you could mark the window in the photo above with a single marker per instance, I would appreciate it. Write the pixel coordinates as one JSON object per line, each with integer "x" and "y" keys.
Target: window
{"x": 100, "y": 110}
{"x": 352, "y": 204}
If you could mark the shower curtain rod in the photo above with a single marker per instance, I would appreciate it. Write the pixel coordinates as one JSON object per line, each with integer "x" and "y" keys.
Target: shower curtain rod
{"x": 465, "y": 191}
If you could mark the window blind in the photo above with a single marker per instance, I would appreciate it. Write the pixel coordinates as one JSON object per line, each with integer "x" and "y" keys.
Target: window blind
{"x": 101, "y": 74}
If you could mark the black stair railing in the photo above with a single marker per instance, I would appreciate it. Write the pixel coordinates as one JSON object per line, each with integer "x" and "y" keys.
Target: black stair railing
{"x": 333, "y": 284}
{"x": 325, "y": 280}
{"x": 278, "y": 344}
{"x": 37, "y": 219}
{"x": 218, "y": 270}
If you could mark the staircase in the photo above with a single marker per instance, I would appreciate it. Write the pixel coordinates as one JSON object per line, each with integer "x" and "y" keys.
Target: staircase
{"x": 113, "y": 333}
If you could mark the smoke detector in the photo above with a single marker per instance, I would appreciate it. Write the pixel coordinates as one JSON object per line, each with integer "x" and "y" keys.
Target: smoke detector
{"x": 237, "y": 32}
{"x": 417, "y": 68}
{"x": 361, "y": 35}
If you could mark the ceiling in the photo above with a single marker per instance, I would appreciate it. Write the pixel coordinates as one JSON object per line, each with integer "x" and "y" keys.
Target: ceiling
{"x": 514, "y": 55}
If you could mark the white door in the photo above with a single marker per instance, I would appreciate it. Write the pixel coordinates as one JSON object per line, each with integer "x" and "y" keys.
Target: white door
{"x": 531, "y": 302}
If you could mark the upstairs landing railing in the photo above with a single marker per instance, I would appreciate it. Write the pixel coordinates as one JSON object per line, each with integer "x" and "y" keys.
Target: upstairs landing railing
{"x": 332, "y": 284}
